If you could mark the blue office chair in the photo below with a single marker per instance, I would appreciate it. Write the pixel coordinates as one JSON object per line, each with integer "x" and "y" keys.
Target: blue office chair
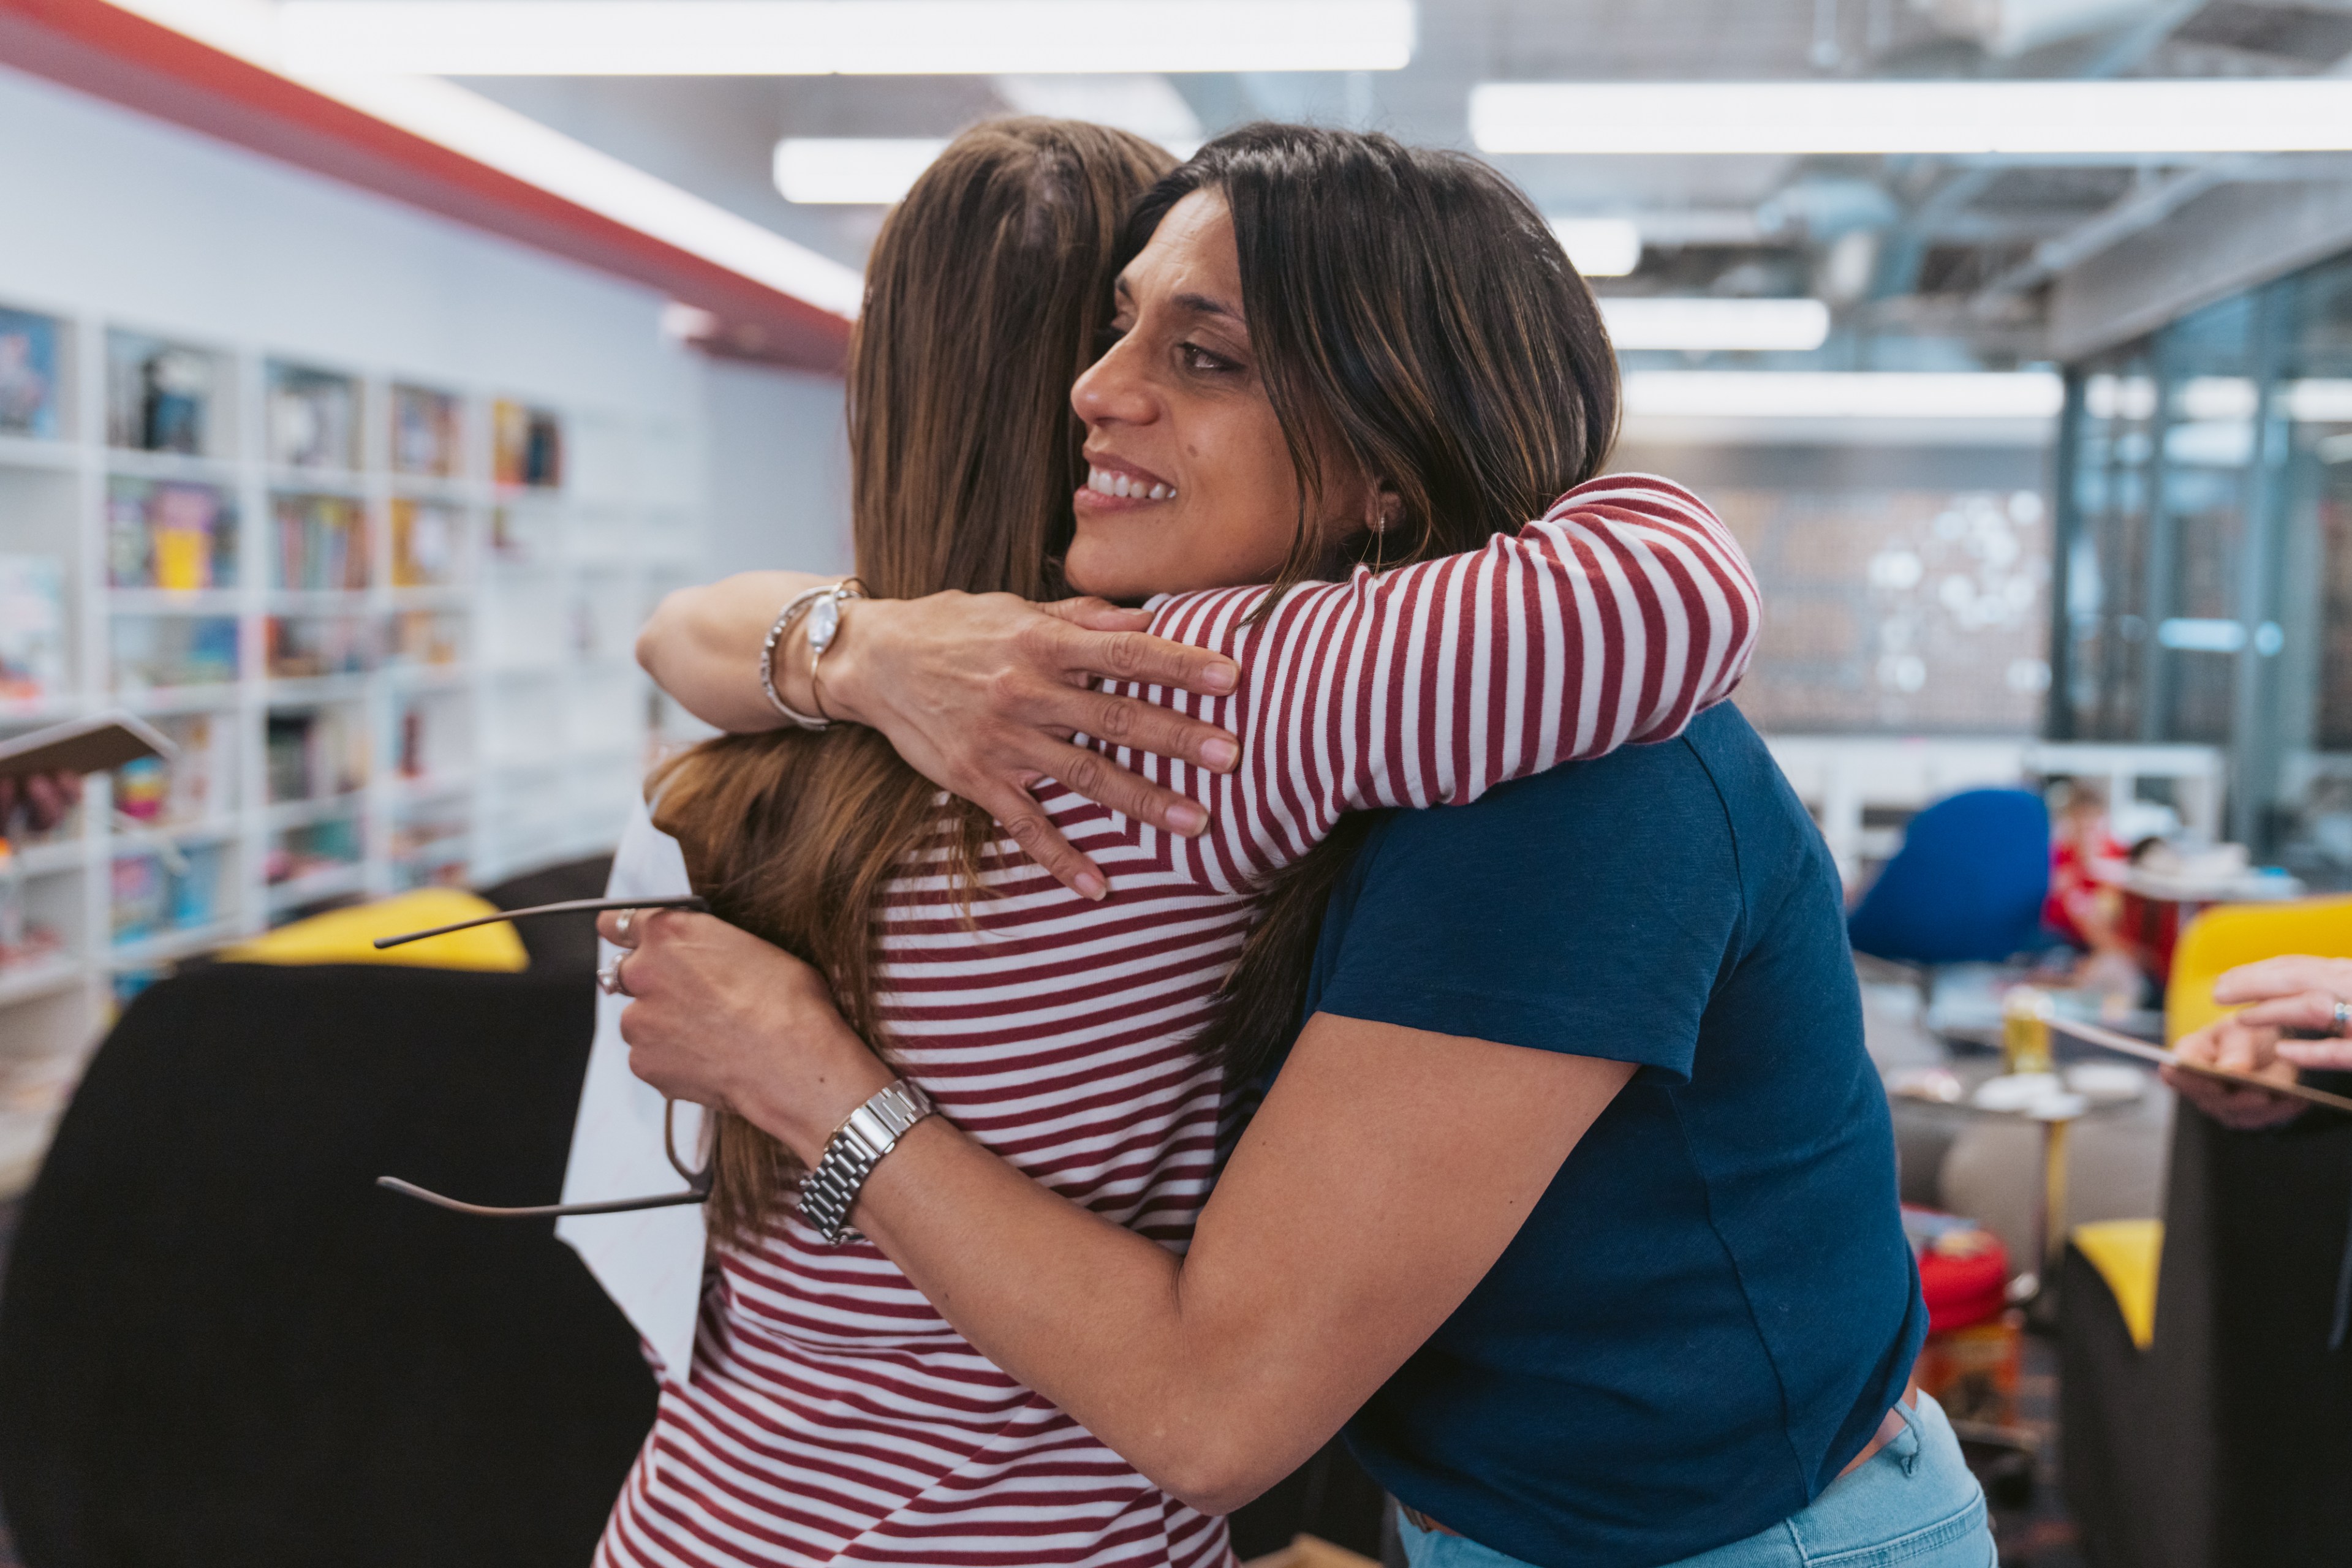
{"x": 1966, "y": 886}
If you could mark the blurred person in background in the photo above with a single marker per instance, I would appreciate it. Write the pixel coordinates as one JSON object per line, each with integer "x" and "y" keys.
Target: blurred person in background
{"x": 2296, "y": 1017}
{"x": 2084, "y": 906}
{"x": 1643, "y": 1305}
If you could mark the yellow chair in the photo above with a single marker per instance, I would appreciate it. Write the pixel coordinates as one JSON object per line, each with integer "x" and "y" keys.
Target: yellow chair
{"x": 2228, "y": 935}
{"x": 2126, "y": 1253}
{"x": 348, "y": 936}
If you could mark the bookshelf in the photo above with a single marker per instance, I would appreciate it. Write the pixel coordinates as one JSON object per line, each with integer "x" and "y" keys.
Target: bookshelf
{"x": 386, "y": 614}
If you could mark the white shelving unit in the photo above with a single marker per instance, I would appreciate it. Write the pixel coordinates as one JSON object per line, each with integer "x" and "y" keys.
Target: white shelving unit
{"x": 463, "y": 723}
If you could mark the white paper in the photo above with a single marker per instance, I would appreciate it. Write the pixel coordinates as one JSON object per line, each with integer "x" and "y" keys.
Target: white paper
{"x": 649, "y": 1262}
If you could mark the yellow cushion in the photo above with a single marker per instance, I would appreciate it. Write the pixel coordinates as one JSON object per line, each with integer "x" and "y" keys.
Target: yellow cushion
{"x": 348, "y": 936}
{"x": 2228, "y": 935}
{"x": 2126, "y": 1253}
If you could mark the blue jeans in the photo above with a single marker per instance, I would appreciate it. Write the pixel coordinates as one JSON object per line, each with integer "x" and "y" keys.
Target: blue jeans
{"x": 1913, "y": 1505}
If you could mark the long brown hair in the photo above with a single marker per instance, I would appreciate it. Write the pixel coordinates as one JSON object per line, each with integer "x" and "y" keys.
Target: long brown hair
{"x": 1411, "y": 313}
{"x": 986, "y": 292}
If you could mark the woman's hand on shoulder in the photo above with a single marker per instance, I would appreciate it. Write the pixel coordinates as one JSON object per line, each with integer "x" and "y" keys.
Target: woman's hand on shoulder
{"x": 983, "y": 695}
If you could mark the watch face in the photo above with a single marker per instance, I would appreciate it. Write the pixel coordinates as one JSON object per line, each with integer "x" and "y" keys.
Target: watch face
{"x": 824, "y": 621}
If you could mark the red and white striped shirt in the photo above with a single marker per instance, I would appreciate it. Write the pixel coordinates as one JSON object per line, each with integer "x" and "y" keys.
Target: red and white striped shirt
{"x": 832, "y": 1416}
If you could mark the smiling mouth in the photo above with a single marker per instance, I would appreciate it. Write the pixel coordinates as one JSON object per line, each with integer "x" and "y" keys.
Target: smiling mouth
{"x": 1128, "y": 486}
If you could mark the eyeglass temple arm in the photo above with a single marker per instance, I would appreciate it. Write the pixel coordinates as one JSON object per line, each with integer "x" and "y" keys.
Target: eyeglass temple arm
{"x": 542, "y": 1210}
{"x": 570, "y": 907}
{"x": 698, "y": 1187}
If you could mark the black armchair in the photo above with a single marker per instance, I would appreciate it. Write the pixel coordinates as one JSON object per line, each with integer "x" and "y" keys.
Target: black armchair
{"x": 220, "y": 1344}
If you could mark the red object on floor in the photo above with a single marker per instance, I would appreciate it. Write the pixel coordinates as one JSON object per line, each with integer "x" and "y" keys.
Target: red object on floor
{"x": 1965, "y": 1289}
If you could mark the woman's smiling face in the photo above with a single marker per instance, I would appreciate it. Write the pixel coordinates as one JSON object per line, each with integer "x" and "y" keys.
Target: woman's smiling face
{"x": 1189, "y": 484}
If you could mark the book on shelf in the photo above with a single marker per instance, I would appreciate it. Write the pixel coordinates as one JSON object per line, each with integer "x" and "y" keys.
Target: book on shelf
{"x": 28, "y": 374}
{"x": 313, "y": 419}
{"x": 161, "y": 396}
{"x": 193, "y": 785}
{"x": 313, "y": 848}
{"x": 526, "y": 445}
{"x": 32, "y": 628}
{"x": 305, "y": 647}
{"x": 425, "y": 637}
{"x": 426, "y": 433}
{"x": 314, "y": 754}
{"x": 427, "y": 538}
{"x": 169, "y": 534}
{"x": 434, "y": 736}
{"x": 164, "y": 651}
{"x": 26, "y": 936}
{"x": 323, "y": 543}
{"x": 152, "y": 895}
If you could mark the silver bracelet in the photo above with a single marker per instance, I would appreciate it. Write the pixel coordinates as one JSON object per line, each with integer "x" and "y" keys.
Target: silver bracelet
{"x": 850, "y": 1156}
{"x": 795, "y": 607}
{"x": 824, "y": 630}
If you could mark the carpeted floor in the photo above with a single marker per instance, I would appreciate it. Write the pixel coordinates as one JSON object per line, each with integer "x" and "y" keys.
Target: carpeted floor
{"x": 2038, "y": 1534}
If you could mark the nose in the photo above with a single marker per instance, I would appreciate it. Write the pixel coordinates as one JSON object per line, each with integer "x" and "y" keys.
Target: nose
{"x": 1115, "y": 389}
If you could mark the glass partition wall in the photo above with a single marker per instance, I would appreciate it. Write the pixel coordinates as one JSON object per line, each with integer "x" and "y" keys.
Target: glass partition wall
{"x": 2203, "y": 556}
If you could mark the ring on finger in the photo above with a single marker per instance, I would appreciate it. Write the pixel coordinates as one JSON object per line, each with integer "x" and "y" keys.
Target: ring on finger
{"x": 608, "y": 976}
{"x": 2340, "y": 1022}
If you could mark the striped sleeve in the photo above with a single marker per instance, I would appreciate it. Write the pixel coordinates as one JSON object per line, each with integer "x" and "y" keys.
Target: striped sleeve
{"x": 1615, "y": 618}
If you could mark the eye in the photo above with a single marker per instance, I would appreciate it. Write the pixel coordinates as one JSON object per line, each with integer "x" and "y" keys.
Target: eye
{"x": 1206, "y": 361}
{"x": 1105, "y": 337}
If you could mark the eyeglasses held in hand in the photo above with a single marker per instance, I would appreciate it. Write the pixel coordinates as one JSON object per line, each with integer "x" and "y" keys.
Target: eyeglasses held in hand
{"x": 697, "y": 1183}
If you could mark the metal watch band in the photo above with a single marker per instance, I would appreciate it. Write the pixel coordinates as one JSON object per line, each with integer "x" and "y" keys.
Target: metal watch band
{"x": 850, "y": 1156}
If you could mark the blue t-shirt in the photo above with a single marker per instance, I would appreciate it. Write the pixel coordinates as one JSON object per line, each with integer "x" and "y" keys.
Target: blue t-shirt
{"x": 1710, "y": 1308}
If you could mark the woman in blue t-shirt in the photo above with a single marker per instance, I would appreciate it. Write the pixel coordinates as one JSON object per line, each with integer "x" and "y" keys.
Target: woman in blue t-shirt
{"x": 1574, "y": 1198}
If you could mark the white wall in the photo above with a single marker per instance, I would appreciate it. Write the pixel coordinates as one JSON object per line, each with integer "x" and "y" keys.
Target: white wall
{"x": 779, "y": 471}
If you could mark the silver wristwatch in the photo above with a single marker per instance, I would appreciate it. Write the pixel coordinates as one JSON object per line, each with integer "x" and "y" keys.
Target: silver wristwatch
{"x": 872, "y": 1131}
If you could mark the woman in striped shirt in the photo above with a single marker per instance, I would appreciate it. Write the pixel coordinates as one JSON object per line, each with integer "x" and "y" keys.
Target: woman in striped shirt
{"x": 1303, "y": 382}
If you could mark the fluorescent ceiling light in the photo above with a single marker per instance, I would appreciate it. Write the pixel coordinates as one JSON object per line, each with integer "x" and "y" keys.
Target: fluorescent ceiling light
{"x": 491, "y": 135}
{"x": 1601, "y": 247}
{"x": 872, "y": 170}
{"x": 2265, "y": 114}
{"x": 1702, "y": 325}
{"x": 2200, "y": 636}
{"x": 2320, "y": 401}
{"x": 850, "y": 37}
{"x": 1843, "y": 394}
{"x": 1149, "y": 105}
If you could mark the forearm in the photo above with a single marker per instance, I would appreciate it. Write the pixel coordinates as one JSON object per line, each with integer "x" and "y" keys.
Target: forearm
{"x": 701, "y": 645}
{"x": 1101, "y": 1321}
{"x": 1095, "y": 1317}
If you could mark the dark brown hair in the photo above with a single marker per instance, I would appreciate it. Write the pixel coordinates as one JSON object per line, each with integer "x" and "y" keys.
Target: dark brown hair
{"x": 987, "y": 289}
{"x": 1412, "y": 314}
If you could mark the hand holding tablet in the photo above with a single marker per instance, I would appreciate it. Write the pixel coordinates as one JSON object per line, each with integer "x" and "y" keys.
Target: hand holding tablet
{"x": 42, "y": 770}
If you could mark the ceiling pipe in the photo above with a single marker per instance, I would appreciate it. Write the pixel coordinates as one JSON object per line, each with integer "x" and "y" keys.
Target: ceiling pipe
{"x": 2134, "y": 213}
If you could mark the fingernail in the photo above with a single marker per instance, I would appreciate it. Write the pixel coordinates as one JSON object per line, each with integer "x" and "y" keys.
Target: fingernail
{"x": 1220, "y": 754}
{"x": 1221, "y": 679}
{"x": 1187, "y": 817}
{"x": 1091, "y": 886}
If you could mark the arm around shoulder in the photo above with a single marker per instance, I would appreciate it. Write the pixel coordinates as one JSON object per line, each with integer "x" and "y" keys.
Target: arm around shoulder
{"x": 701, "y": 645}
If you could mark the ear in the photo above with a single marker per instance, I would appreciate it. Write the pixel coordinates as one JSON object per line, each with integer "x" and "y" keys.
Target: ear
{"x": 1386, "y": 510}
